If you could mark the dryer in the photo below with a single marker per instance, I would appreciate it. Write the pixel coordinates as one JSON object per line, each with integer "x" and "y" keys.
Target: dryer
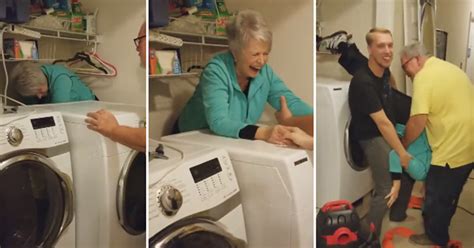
{"x": 194, "y": 199}
{"x": 338, "y": 176}
{"x": 276, "y": 185}
{"x": 110, "y": 179}
{"x": 36, "y": 190}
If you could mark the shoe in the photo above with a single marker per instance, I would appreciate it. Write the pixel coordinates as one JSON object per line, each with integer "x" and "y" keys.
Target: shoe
{"x": 331, "y": 42}
{"x": 421, "y": 239}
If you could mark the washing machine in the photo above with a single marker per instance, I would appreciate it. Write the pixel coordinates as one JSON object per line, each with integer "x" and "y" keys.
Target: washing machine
{"x": 194, "y": 198}
{"x": 276, "y": 185}
{"x": 340, "y": 173}
{"x": 110, "y": 179}
{"x": 36, "y": 190}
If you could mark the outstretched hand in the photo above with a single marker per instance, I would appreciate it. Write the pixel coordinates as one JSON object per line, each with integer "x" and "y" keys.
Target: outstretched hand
{"x": 102, "y": 121}
{"x": 300, "y": 138}
{"x": 393, "y": 195}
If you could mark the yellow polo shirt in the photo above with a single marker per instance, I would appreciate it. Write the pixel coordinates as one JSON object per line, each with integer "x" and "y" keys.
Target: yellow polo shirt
{"x": 444, "y": 92}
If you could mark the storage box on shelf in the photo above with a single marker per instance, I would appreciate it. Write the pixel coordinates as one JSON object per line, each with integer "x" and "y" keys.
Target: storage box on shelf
{"x": 194, "y": 49}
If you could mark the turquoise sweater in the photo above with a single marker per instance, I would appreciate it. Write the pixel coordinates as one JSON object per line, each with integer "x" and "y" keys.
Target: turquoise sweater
{"x": 65, "y": 86}
{"x": 220, "y": 105}
{"x": 419, "y": 164}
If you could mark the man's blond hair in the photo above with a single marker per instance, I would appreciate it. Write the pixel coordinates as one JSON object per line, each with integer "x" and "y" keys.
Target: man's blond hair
{"x": 369, "y": 37}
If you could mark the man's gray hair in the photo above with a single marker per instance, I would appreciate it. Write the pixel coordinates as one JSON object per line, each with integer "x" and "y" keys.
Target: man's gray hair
{"x": 414, "y": 50}
{"x": 27, "y": 78}
{"x": 247, "y": 25}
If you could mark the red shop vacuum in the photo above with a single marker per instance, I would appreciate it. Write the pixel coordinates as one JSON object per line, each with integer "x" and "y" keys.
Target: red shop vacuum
{"x": 339, "y": 226}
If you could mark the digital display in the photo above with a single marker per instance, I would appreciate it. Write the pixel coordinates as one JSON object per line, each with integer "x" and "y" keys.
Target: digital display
{"x": 205, "y": 170}
{"x": 43, "y": 122}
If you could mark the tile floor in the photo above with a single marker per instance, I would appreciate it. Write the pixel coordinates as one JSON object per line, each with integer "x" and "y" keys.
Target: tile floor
{"x": 461, "y": 225}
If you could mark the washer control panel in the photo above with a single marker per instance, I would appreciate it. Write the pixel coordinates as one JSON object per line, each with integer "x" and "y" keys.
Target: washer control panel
{"x": 195, "y": 184}
{"x": 32, "y": 131}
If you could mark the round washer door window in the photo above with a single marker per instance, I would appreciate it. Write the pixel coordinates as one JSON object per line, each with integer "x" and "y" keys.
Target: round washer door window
{"x": 35, "y": 202}
{"x": 193, "y": 233}
{"x": 354, "y": 154}
{"x": 131, "y": 194}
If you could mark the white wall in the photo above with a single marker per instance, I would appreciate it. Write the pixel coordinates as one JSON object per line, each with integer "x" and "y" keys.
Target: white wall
{"x": 118, "y": 23}
{"x": 355, "y": 17}
{"x": 453, "y": 17}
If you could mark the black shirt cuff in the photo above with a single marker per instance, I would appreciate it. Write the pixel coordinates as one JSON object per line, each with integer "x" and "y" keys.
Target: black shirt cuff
{"x": 396, "y": 176}
{"x": 248, "y": 132}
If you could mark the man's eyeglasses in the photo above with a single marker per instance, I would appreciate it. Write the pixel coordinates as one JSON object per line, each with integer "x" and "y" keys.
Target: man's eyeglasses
{"x": 406, "y": 62}
{"x": 138, "y": 39}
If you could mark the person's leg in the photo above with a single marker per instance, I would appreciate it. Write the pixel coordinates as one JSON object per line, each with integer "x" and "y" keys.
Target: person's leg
{"x": 376, "y": 151}
{"x": 351, "y": 58}
{"x": 399, "y": 207}
{"x": 443, "y": 188}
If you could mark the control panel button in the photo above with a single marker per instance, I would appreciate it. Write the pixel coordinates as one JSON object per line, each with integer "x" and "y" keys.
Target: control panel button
{"x": 14, "y": 136}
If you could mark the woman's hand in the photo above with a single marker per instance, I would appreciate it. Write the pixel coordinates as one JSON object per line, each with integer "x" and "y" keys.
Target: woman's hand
{"x": 274, "y": 134}
{"x": 393, "y": 195}
{"x": 284, "y": 114}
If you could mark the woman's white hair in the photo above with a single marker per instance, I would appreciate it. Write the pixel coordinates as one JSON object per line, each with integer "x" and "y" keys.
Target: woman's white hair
{"x": 247, "y": 25}
{"x": 27, "y": 78}
{"x": 413, "y": 50}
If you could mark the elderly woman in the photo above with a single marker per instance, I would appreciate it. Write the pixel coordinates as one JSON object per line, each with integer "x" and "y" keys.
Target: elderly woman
{"x": 49, "y": 83}
{"x": 235, "y": 85}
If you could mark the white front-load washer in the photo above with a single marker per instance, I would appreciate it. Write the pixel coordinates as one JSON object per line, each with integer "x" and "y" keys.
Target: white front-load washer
{"x": 276, "y": 184}
{"x": 36, "y": 190}
{"x": 194, "y": 198}
{"x": 338, "y": 174}
{"x": 110, "y": 179}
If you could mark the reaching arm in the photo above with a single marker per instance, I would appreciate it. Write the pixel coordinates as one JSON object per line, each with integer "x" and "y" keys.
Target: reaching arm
{"x": 105, "y": 123}
{"x": 390, "y": 135}
{"x": 415, "y": 125}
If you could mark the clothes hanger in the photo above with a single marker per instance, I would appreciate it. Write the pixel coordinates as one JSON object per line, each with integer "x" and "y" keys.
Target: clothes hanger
{"x": 93, "y": 66}
{"x": 81, "y": 56}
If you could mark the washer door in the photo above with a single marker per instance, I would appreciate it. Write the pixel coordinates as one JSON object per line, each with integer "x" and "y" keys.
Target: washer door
{"x": 197, "y": 232}
{"x": 354, "y": 154}
{"x": 131, "y": 194}
{"x": 36, "y": 201}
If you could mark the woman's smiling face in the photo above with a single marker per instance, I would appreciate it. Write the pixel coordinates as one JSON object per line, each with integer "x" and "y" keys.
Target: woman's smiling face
{"x": 251, "y": 58}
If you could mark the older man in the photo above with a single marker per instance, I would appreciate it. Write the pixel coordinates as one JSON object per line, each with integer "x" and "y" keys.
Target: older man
{"x": 443, "y": 100}
{"x": 105, "y": 122}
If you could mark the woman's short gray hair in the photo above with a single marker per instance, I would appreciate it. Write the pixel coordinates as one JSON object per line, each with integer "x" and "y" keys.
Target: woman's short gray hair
{"x": 28, "y": 78}
{"x": 247, "y": 25}
{"x": 413, "y": 50}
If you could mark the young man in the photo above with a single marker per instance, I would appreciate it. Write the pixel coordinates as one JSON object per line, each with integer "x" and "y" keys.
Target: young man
{"x": 105, "y": 122}
{"x": 371, "y": 102}
{"x": 442, "y": 102}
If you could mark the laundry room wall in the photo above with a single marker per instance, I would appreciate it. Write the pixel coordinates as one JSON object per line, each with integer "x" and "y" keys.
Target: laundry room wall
{"x": 118, "y": 23}
{"x": 355, "y": 17}
{"x": 452, "y": 16}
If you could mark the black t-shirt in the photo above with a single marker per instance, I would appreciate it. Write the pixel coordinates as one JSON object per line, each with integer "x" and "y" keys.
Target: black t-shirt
{"x": 369, "y": 94}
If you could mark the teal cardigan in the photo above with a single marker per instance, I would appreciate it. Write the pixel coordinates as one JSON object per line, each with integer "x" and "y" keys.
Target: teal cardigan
{"x": 220, "y": 105}
{"x": 64, "y": 85}
{"x": 419, "y": 164}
